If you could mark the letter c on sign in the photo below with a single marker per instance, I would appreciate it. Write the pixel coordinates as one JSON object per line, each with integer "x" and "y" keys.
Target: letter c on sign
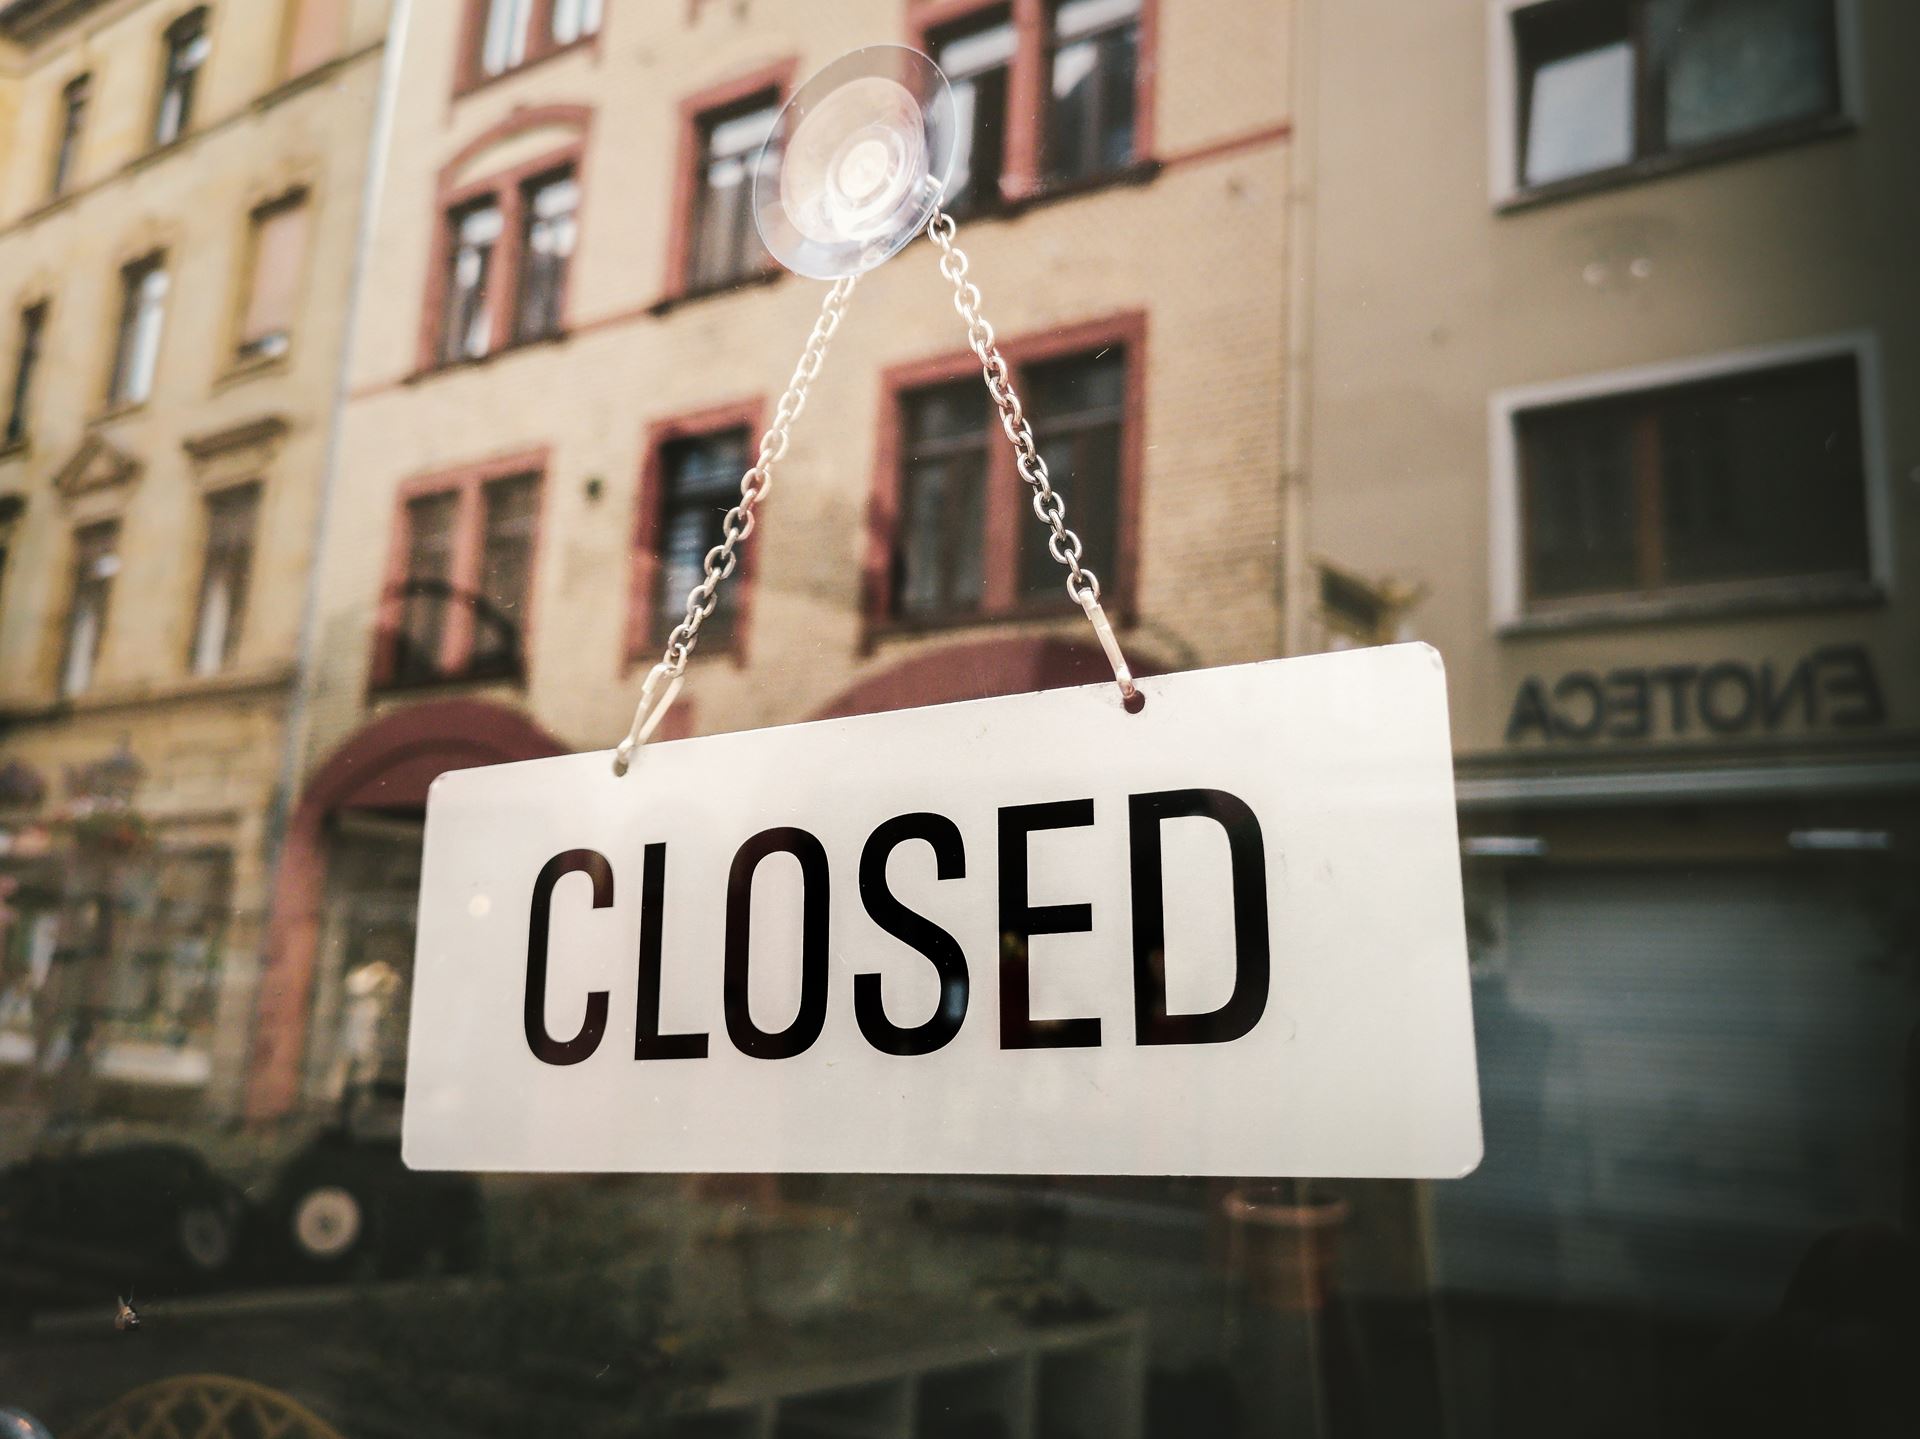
{"x": 544, "y": 1046}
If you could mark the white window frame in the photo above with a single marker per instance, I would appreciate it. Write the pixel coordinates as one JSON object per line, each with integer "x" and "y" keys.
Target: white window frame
{"x": 1503, "y": 93}
{"x": 1506, "y": 547}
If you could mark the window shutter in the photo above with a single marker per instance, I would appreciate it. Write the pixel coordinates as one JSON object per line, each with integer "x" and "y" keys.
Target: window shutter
{"x": 316, "y": 34}
{"x": 279, "y": 247}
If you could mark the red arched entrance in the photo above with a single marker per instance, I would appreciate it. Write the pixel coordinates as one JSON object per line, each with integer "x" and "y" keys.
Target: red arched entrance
{"x": 982, "y": 669}
{"x": 386, "y": 767}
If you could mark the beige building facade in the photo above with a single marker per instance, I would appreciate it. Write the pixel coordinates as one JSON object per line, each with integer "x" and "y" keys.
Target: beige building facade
{"x": 579, "y": 341}
{"x": 1610, "y": 339}
{"x": 180, "y": 191}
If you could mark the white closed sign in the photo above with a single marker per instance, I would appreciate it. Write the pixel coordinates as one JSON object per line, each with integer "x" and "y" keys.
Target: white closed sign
{"x": 1031, "y": 935}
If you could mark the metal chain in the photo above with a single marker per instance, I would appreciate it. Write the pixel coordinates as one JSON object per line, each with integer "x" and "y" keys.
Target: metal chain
{"x": 735, "y": 529}
{"x": 1083, "y": 585}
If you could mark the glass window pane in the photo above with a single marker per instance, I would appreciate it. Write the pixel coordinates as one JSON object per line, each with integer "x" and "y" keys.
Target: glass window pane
{"x": 546, "y": 249}
{"x": 1765, "y": 476}
{"x": 1090, "y": 122}
{"x": 1078, "y": 410}
{"x": 1580, "y": 510}
{"x": 976, "y": 61}
{"x": 509, "y": 513}
{"x": 700, "y": 482}
{"x": 1736, "y": 65}
{"x": 426, "y": 593}
{"x": 469, "y": 311}
{"x": 725, "y": 246}
{"x": 1580, "y": 114}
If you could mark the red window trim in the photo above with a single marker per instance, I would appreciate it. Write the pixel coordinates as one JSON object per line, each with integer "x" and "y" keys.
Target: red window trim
{"x": 1020, "y": 176}
{"x": 506, "y": 188}
{"x": 775, "y": 79}
{"x": 467, "y": 74}
{"x": 644, "y": 567}
{"x": 467, "y": 481}
{"x": 1008, "y": 504}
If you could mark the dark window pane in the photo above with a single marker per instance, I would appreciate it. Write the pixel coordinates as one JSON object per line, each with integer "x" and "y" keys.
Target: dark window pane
{"x": 73, "y": 121}
{"x": 1577, "y": 88}
{"x": 1580, "y": 507}
{"x": 939, "y": 553}
{"x": 1764, "y": 476}
{"x": 510, "y": 508}
{"x": 1078, "y": 408}
{"x": 1731, "y": 66}
{"x": 469, "y": 315}
{"x": 725, "y": 247}
{"x": 975, "y": 59}
{"x": 426, "y": 594}
{"x": 546, "y": 250}
{"x": 1091, "y": 107}
{"x": 700, "y": 482}
{"x": 33, "y": 330}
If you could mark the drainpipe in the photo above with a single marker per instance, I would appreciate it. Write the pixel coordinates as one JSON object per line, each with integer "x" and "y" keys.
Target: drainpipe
{"x": 300, "y": 701}
{"x": 1296, "y": 579}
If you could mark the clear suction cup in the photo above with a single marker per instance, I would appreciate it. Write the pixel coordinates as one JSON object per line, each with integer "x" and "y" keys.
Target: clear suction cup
{"x": 855, "y": 163}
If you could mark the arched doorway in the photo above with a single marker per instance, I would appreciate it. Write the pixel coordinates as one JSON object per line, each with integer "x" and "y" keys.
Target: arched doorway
{"x": 362, "y": 811}
{"x": 204, "y": 1406}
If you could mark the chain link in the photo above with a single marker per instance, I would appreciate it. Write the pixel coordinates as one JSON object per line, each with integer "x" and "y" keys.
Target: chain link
{"x": 735, "y": 529}
{"x": 1083, "y": 586}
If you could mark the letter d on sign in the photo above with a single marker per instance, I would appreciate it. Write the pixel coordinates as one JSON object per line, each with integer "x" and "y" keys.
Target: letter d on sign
{"x": 1252, "y": 954}
{"x": 544, "y": 1046}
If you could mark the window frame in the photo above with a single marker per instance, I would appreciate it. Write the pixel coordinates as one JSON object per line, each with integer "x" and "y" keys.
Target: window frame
{"x": 1008, "y": 498}
{"x": 468, "y": 483}
{"x": 643, "y": 570}
{"x": 28, "y": 354}
{"x": 76, "y": 97}
{"x": 508, "y": 190}
{"x": 470, "y": 72}
{"x": 1029, "y": 110}
{"x": 75, "y": 583}
{"x": 293, "y": 198}
{"x": 1507, "y": 115}
{"x": 698, "y": 113}
{"x": 1511, "y": 613}
{"x": 200, "y": 19}
{"x": 124, "y": 320}
{"x": 250, "y": 492}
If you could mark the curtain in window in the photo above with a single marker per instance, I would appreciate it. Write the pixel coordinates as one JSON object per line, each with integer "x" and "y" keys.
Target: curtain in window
{"x": 469, "y": 332}
{"x": 575, "y": 18}
{"x": 142, "y": 318}
{"x": 505, "y": 42}
{"x": 1731, "y": 66}
{"x": 550, "y": 237}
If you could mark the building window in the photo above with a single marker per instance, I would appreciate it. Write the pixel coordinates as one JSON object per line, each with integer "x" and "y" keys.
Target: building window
{"x": 698, "y": 482}
{"x": 475, "y": 230}
{"x": 1091, "y": 106}
{"x": 1735, "y": 481}
{"x": 965, "y": 542}
{"x": 549, "y": 206}
{"x": 33, "y": 336}
{"x": 277, "y": 242}
{"x": 143, "y": 312}
{"x": 575, "y": 20}
{"x": 73, "y": 123}
{"x": 1604, "y": 84}
{"x": 221, "y": 610}
{"x": 725, "y": 247}
{"x": 314, "y": 33}
{"x": 187, "y": 47}
{"x": 977, "y": 57}
{"x": 508, "y": 513}
{"x": 943, "y": 482}
{"x": 96, "y": 561}
{"x": 457, "y": 608}
{"x": 512, "y": 33}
